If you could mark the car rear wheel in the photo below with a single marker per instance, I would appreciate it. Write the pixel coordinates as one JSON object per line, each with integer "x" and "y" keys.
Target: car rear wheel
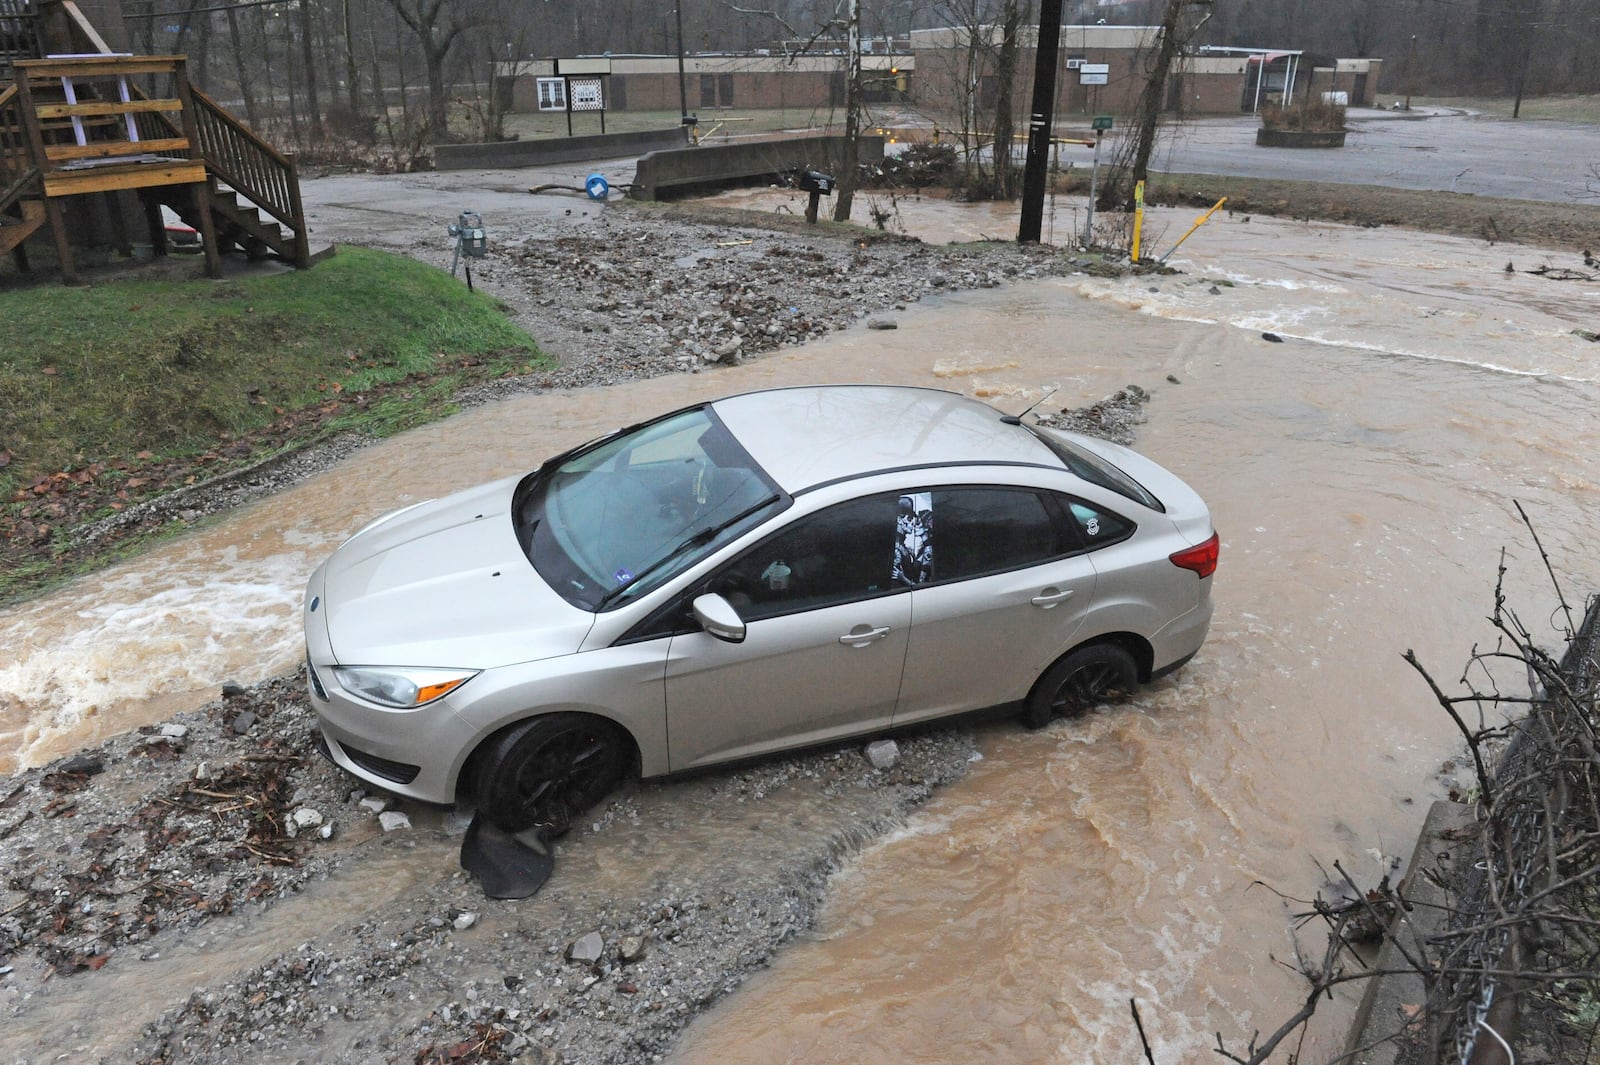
{"x": 547, "y": 771}
{"x": 1095, "y": 674}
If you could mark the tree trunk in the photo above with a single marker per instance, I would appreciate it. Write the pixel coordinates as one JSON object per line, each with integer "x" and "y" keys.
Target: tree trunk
{"x": 1120, "y": 187}
{"x": 239, "y": 71}
{"x": 438, "y": 108}
{"x": 1005, "y": 121}
{"x": 309, "y": 63}
{"x": 1149, "y": 114}
{"x": 352, "y": 73}
{"x": 850, "y": 157}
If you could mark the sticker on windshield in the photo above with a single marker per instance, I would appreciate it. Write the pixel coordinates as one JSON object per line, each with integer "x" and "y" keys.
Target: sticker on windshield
{"x": 913, "y": 539}
{"x": 623, "y": 575}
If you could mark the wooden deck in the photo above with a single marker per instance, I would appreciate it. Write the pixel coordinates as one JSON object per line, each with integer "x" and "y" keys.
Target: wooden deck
{"x": 80, "y": 125}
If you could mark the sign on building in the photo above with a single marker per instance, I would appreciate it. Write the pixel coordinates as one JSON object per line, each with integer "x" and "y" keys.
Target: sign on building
{"x": 1094, "y": 74}
{"x": 552, "y": 94}
{"x": 587, "y": 94}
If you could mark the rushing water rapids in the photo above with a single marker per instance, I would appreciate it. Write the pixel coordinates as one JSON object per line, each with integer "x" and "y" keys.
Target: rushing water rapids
{"x": 1363, "y": 474}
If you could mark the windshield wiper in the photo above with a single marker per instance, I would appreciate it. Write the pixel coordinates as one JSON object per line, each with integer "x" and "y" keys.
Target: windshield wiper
{"x": 699, "y": 539}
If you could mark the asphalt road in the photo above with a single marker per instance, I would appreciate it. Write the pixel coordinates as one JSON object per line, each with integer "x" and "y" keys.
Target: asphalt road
{"x": 1450, "y": 151}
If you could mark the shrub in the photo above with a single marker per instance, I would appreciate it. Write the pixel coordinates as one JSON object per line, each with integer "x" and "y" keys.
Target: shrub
{"x": 1310, "y": 116}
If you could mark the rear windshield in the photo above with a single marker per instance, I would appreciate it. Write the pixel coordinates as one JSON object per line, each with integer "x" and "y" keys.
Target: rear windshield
{"x": 1096, "y": 470}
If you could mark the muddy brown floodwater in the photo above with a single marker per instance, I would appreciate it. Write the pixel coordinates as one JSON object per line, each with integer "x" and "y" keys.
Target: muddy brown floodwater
{"x": 1362, "y": 472}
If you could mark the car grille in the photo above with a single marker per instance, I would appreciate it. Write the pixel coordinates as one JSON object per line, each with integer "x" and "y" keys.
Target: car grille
{"x": 399, "y": 772}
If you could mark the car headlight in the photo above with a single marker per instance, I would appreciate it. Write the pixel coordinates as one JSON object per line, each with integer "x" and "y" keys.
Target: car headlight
{"x": 403, "y": 689}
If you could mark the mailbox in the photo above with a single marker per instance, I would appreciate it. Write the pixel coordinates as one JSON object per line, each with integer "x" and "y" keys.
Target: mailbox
{"x": 815, "y": 181}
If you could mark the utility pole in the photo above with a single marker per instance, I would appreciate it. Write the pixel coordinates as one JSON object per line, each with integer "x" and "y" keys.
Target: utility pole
{"x": 1041, "y": 123}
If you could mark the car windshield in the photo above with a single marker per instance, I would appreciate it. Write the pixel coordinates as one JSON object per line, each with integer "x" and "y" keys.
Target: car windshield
{"x": 618, "y": 518}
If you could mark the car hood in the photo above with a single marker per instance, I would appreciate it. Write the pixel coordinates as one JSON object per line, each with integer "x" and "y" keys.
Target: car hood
{"x": 445, "y": 583}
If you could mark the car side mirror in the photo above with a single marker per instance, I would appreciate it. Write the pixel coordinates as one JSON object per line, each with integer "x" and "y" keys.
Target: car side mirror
{"x": 718, "y": 617}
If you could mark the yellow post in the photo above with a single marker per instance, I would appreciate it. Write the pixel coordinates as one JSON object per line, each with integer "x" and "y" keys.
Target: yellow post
{"x": 1202, "y": 220}
{"x": 1138, "y": 219}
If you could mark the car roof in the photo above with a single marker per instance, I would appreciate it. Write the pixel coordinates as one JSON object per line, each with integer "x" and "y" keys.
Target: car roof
{"x": 807, "y": 436}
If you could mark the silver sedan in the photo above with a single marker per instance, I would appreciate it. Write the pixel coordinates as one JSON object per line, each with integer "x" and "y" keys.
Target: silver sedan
{"x": 762, "y": 573}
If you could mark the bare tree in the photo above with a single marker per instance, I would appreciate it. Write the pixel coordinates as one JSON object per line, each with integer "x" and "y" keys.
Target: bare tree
{"x": 1005, "y": 119}
{"x": 1180, "y": 23}
{"x": 438, "y": 25}
{"x": 849, "y": 164}
{"x": 309, "y": 72}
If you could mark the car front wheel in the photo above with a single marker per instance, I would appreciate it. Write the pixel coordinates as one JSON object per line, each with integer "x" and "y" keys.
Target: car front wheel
{"x": 1078, "y": 680}
{"x": 547, "y": 771}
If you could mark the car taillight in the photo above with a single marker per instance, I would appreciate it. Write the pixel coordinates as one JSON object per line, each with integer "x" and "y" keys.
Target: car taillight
{"x": 1201, "y": 559}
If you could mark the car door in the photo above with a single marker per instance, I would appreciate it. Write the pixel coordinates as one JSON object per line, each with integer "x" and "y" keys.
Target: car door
{"x": 1008, "y": 587}
{"x": 825, "y": 641}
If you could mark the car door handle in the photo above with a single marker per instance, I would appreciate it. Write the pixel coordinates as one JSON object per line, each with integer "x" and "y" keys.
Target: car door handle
{"x": 860, "y": 636}
{"x": 1050, "y": 597}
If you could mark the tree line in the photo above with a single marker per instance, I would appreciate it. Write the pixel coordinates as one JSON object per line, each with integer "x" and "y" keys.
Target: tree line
{"x": 395, "y": 69}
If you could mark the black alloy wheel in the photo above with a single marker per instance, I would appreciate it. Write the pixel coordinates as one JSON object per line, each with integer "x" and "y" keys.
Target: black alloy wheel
{"x": 547, "y": 771}
{"x": 1090, "y": 675}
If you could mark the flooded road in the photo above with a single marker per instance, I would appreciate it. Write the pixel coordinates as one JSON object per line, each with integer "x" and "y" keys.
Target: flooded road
{"x": 1362, "y": 473}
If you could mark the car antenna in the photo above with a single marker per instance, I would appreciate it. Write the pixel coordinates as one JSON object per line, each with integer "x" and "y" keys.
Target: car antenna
{"x": 1016, "y": 419}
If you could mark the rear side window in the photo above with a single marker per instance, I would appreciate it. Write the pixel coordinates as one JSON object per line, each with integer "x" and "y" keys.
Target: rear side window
{"x": 1098, "y": 527}
{"x": 984, "y": 530}
{"x": 1097, "y": 471}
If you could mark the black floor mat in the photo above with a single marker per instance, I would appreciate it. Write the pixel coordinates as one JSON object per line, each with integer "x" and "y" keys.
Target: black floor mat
{"x": 505, "y": 866}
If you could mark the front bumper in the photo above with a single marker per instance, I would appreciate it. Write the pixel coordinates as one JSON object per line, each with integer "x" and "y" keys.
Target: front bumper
{"x": 414, "y": 753}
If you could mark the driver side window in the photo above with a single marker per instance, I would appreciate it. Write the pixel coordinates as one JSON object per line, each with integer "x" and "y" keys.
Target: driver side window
{"x": 838, "y": 555}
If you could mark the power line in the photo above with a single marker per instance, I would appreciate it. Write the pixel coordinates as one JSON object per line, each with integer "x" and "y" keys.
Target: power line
{"x": 202, "y": 10}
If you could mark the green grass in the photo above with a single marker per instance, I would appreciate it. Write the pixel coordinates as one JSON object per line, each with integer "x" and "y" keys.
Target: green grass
{"x": 105, "y": 373}
{"x": 1563, "y": 108}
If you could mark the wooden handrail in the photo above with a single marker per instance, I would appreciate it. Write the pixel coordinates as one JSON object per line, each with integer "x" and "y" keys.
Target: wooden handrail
{"x": 98, "y": 66}
{"x": 17, "y": 169}
{"x": 246, "y": 162}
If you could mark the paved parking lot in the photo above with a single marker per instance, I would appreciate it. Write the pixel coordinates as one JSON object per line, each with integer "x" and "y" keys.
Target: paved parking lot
{"x": 1450, "y": 151}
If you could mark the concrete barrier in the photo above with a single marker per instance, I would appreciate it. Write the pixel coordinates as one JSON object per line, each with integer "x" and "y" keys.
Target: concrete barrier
{"x": 1389, "y": 1002}
{"x": 511, "y": 154}
{"x": 1299, "y": 138}
{"x": 678, "y": 171}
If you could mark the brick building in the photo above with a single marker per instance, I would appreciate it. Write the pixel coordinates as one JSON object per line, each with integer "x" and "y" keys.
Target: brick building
{"x": 1102, "y": 71}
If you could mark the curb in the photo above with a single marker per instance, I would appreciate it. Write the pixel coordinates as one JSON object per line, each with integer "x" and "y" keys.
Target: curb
{"x": 1390, "y": 1000}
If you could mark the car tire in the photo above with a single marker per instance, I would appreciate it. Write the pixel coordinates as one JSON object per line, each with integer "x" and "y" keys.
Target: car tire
{"x": 1078, "y": 680}
{"x": 547, "y": 771}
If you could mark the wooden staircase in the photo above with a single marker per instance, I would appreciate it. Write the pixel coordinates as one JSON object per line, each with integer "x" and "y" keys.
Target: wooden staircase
{"x": 79, "y": 125}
